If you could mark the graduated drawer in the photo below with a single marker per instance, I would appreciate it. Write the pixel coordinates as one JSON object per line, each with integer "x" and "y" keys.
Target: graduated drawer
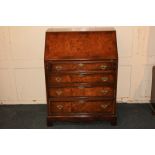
{"x": 81, "y": 66}
{"x": 81, "y": 77}
{"x": 81, "y": 107}
{"x": 105, "y": 91}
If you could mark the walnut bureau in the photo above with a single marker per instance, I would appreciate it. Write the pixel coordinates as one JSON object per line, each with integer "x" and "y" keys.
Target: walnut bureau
{"x": 81, "y": 74}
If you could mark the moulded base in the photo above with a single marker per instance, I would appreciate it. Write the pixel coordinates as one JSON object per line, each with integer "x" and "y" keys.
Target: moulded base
{"x": 83, "y": 117}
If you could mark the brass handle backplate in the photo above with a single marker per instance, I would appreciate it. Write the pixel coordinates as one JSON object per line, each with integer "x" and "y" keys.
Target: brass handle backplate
{"x": 104, "y": 106}
{"x": 59, "y": 92}
{"x": 103, "y": 67}
{"x": 58, "y": 79}
{"x": 60, "y": 107}
{"x": 58, "y": 68}
{"x": 104, "y": 79}
{"x": 104, "y": 91}
{"x": 81, "y": 64}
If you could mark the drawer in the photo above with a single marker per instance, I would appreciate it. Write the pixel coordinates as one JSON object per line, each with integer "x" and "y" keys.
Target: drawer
{"x": 81, "y": 66}
{"x": 105, "y": 91}
{"x": 81, "y": 106}
{"x": 81, "y": 77}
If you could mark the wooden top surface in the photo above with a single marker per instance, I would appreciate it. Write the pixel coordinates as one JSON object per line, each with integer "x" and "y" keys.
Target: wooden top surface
{"x": 90, "y": 44}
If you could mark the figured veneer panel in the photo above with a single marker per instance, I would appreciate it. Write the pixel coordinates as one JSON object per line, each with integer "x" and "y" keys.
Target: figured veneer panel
{"x": 70, "y": 66}
{"x": 81, "y": 107}
{"x": 82, "y": 91}
{"x": 81, "y": 77}
{"x": 93, "y": 107}
{"x": 76, "y": 45}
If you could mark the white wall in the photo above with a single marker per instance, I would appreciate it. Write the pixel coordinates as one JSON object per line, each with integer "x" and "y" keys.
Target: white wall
{"x": 134, "y": 77}
{"x": 22, "y": 73}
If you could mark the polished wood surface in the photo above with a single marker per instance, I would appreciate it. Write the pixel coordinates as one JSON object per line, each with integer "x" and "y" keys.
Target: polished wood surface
{"x": 81, "y": 91}
{"x": 81, "y": 106}
{"x": 81, "y": 78}
{"x": 81, "y": 45}
{"x": 81, "y": 75}
{"x": 81, "y": 66}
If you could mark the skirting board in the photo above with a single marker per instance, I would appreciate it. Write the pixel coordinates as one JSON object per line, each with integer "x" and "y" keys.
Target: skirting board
{"x": 44, "y": 102}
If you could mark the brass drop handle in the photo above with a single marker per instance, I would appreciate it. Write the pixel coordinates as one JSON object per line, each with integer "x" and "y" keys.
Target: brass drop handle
{"x": 59, "y": 92}
{"x": 104, "y": 79}
{"x": 104, "y": 106}
{"x": 58, "y": 68}
{"x": 58, "y": 79}
{"x": 81, "y": 64}
{"x": 103, "y": 67}
{"x": 104, "y": 91}
{"x": 60, "y": 107}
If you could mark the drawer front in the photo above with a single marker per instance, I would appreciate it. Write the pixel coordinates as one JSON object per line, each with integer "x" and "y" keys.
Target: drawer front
{"x": 81, "y": 107}
{"x": 92, "y": 78}
{"x": 98, "y": 66}
{"x": 106, "y": 91}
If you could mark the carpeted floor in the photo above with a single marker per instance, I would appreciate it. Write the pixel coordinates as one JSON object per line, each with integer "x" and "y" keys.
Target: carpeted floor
{"x": 130, "y": 116}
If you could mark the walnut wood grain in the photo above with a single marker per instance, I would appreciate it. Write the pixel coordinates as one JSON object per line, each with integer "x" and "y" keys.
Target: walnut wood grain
{"x": 105, "y": 91}
{"x": 64, "y": 45}
{"x": 80, "y": 78}
{"x": 81, "y": 106}
{"x": 90, "y": 107}
{"x": 97, "y": 66}
{"x": 75, "y": 98}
